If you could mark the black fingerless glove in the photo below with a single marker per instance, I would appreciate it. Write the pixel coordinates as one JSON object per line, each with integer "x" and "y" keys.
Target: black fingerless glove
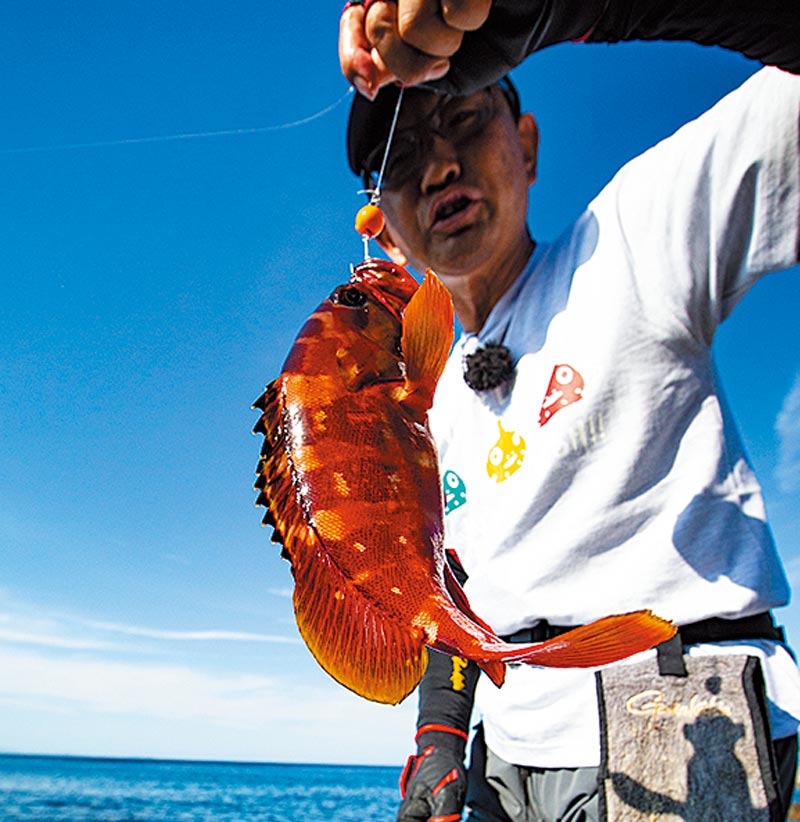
{"x": 434, "y": 781}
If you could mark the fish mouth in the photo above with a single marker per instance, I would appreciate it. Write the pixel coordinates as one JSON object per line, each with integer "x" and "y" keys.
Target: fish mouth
{"x": 453, "y": 211}
{"x": 388, "y": 283}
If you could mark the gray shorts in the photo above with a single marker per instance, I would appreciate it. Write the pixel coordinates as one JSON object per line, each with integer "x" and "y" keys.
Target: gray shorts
{"x": 544, "y": 794}
{"x": 501, "y": 792}
{"x": 565, "y": 794}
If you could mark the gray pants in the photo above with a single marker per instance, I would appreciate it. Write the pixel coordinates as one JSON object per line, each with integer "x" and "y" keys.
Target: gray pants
{"x": 565, "y": 794}
{"x": 544, "y": 795}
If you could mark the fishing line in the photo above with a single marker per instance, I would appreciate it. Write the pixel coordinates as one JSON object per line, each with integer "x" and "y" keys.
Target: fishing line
{"x": 163, "y": 138}
{"x": 375, "y": 196}
{"x": 370, "y": 220}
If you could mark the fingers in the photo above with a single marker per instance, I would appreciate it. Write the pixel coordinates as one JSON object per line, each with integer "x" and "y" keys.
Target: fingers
{"x": 448, "y": 801}
{"x": 420, "y": 24}
{"x": 409, "y": 41}
{"x": 355, "y": 55}
{"x": 394, "y": 54}
{"x": 466, "y": 15}
{"x": 414, "y": 809}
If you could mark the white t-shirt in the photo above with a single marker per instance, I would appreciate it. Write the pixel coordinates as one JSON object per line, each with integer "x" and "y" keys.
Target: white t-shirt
{"x": 611, "y": 477}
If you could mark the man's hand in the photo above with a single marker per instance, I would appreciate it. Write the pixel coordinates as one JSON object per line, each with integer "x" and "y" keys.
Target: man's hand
{"x": 410, "y": 41}
{"x": 434, "y": 783}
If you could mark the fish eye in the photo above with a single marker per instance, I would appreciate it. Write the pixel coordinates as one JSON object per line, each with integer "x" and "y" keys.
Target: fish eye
{"x": 350, "y": 297}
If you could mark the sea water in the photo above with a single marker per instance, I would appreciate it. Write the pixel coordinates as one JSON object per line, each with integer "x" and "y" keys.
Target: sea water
{"x": 73, "y": 789}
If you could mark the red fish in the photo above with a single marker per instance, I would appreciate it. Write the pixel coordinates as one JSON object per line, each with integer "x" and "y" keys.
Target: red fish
{"x": 349, "y": 476}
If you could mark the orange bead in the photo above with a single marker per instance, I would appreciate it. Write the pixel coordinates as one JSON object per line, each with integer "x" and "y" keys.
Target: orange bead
{"x": 369, "y": 221}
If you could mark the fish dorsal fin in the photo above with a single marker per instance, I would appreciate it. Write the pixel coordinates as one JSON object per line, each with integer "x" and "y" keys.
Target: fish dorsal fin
{"x": 273, "y": 469}
{"x": 365, "y": 650}
{"x": 427, "y": 339}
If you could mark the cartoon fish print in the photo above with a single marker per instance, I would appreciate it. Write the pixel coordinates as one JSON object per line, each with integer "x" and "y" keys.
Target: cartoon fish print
{"x": 506, "y": 455}
{"x": 565, "y": 388}
{"x": 455, "y": 491}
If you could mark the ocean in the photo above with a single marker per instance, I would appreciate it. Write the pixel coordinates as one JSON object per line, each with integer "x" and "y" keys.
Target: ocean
{"x": 76, "y": 789}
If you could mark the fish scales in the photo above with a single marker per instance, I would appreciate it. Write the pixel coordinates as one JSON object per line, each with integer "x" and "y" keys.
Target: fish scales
{"x": 363, "y": 511}
{"x": 349, "y": 476}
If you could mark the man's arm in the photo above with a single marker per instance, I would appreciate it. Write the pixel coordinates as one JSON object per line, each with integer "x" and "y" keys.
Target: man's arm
{"x": 458, "y": 47}
{"x": 708, "y": 211}
{"x": 434, "y": 782}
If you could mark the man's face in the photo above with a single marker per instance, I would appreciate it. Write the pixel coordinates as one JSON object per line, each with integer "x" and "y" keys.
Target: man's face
{"x": 456, "y": 189}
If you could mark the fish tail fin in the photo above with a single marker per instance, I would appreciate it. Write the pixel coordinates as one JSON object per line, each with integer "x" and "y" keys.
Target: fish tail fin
{"x": 601, "y": 642}
{"x": 427, "y": 338}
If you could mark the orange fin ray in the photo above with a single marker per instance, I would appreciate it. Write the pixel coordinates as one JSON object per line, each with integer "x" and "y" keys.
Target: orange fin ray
{"x": 427, "y": 339}
{"x": 601, "y": 642}
{"x": 494, "y": 669}
{"x": 367, "y": 651}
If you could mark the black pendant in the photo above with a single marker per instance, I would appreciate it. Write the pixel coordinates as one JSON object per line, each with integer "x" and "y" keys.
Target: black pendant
{"x": 488, "y": 367}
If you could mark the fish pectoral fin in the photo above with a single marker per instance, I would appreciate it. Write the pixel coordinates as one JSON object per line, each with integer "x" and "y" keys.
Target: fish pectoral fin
{"x": 495, "y": 670}
{"x": 601, "y": 642}
{"x": 427, "y": 339}
{"x": 373, "y": 654}
{"x": 458, "y": 596}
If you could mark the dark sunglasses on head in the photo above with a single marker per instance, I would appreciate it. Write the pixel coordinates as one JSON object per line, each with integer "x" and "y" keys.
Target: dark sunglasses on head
{"x": 459, "y": 120}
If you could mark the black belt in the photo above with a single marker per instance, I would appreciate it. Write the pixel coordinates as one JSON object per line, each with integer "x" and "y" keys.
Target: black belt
{"x": 670, "y": 653}
{"x": 715, "y": 629}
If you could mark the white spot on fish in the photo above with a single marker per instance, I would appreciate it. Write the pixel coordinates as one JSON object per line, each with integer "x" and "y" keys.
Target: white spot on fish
{"x": 424, "y": 621}
{"x": 340, "y": 484}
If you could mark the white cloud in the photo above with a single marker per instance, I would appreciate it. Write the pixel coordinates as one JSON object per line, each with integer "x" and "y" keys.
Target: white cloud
{"x": 22, "y": 623}
{"x": 190, "y": 636}
{"x": 281, "y": 592}
{"x": 75, "y": 685}
{"x": 88, "y": 703}
{"x": 787, "y": 426}
{"x": 155, "y": 690}
{"x": 53, "y": 640}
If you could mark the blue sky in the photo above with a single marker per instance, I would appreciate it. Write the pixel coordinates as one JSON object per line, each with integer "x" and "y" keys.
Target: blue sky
{"x": 150, "y": 288}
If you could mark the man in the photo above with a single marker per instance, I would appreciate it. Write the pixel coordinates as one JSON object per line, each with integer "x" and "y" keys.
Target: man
{"x": 590, "y": 463}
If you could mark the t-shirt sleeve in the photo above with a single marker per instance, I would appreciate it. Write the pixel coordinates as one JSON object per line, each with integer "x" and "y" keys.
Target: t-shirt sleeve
{"x": 766, "y": 30}
{"x": 706, "y": 212}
